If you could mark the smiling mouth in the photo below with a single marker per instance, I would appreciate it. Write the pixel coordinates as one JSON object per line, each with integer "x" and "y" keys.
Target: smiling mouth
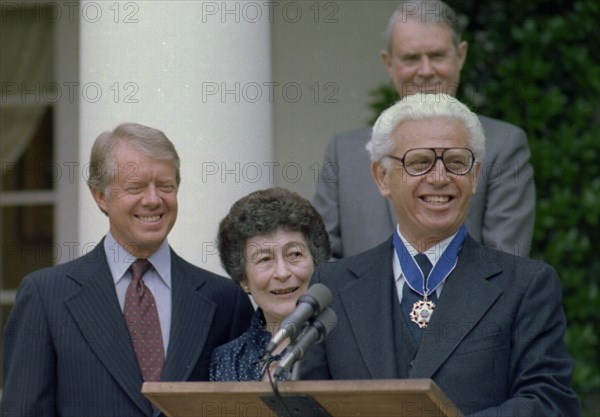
{"x": 437, "y": 199}
{"x": 149, "y": 219}
{"x": 284, "y": 291}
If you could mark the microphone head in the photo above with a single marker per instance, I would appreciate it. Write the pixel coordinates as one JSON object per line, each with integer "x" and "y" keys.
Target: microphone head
{"x": 329, "y": 319}
{"x": 314, "y": 333}
{"x": 325, "y": 323}
{"x": 318, "y": 295}
{"x": 309, "y": 305}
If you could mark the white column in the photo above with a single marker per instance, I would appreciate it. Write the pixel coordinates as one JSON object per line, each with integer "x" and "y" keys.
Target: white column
{"x": 200, "y": 72}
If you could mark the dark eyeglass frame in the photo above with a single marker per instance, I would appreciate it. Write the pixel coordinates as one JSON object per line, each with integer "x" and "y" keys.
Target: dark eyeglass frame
{"x": 440, "y": 157}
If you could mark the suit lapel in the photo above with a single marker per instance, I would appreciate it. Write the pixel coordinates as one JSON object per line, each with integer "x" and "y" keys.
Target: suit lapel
{"x": 95, "y": 309}
{"x": 466, "y": 290}
{"x": 191, "y": 321}
{"x": 367, "y": 303}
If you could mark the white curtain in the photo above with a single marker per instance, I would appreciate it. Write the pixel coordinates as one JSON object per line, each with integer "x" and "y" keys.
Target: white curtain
{"x": 26, "y": 73}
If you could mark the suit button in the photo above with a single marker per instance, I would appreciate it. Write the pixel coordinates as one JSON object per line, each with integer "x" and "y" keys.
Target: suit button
{"x": 411, "y": 364}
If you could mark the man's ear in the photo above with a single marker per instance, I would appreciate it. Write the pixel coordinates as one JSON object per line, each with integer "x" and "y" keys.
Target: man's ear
{"x": 386, "y": 58}
{"x": 101, "y": 199}
{"x": 381, "y": 177}
{"x": 474, "y": 174}
{"x": 462, "y": 50}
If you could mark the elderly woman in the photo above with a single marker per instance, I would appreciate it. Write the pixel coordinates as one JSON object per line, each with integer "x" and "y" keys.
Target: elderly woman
{"x": 270, "y": 243}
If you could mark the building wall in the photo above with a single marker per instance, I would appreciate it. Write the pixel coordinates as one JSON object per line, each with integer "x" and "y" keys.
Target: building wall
{"x": 330, "y": 54}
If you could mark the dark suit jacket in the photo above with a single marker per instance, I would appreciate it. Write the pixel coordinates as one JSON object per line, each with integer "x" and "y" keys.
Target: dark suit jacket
{"x": 67, "y": 347}
{"x": 494, "y": 344}
{"x": 358, "y": 218}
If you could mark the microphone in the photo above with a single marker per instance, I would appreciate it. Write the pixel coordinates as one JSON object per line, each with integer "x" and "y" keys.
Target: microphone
{"x": 308, "y": 306}
{"x": 314, "y": 333}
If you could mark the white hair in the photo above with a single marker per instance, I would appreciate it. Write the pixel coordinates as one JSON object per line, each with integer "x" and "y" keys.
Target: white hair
{"x": 422, "y": 106}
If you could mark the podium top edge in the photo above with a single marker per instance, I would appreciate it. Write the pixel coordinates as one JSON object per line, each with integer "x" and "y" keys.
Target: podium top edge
{"x": 322, "y": 386}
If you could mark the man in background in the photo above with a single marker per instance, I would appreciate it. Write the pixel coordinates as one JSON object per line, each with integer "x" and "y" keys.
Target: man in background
{"x": 425, "y": 53}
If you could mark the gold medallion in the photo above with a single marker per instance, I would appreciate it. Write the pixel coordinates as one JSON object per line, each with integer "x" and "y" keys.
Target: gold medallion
{"x": 421, "y": 312}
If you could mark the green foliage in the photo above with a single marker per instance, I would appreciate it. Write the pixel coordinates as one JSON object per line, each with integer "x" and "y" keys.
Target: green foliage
{"x": 537, "y": 65}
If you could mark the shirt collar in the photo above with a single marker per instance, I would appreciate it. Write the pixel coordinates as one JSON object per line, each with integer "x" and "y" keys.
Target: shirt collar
{"x": 434, "y": 253}
{"x": 119, "y": 260}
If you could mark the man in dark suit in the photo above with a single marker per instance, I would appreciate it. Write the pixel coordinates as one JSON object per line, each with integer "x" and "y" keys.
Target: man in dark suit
{"x": 83, "y": 336}
{"x": 431, "y": 302}
{"x": 425, "y": 54}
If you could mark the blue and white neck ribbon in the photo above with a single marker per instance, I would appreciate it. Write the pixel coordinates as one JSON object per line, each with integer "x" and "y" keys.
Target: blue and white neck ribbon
{"x": 443, "y": 267}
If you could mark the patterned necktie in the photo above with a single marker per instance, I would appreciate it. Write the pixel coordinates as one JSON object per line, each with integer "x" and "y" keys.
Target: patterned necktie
{"x": 141, "y": 316}
{"x": 410, "y": 297}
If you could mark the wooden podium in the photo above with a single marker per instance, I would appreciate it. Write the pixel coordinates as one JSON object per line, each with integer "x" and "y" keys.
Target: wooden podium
{"x": 366, "y": 398}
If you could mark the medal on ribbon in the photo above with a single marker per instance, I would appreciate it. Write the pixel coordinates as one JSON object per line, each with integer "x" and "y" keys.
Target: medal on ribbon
{"x": 422, "y": 310}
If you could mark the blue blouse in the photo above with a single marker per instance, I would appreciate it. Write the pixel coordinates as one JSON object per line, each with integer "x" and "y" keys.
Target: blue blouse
{"x": 239, "y": 359}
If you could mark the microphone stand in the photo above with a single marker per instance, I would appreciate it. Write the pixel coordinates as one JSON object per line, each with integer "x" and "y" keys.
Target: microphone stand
{"x": 295, "y": 373}
{"x": 301, "y": 404}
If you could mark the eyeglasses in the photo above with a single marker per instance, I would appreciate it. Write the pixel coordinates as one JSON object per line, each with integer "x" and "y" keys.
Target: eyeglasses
{"x": 420, "y": 161}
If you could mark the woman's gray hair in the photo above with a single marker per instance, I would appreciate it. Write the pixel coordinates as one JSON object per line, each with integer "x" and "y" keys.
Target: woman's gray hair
{"x": 423, "y": 106}
{"x": 151, "y": 142}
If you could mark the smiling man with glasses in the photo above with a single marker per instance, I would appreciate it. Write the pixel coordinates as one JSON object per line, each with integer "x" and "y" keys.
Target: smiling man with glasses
{"x": 440, "y": 142}
{"x": 431, "y": 302}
